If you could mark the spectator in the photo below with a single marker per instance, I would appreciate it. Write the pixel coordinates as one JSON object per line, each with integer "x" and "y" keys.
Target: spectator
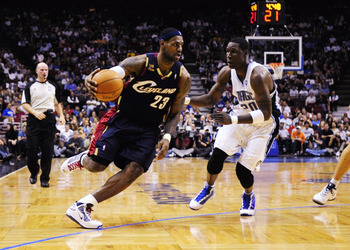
{"x": 283, "y": 139}
{"x": 22, "y": 141}
{"x": 11, "y": 136}
{"x": 72, "y": 99}
{"x": 294, "y": 93}
{"x": 4, "y": 155}
{"x": 58, "y": 146}
{"x": 333, "y": 101}
{"x": 8, "y": 114}
{"x": 286, "y": 120}
{"x": 298, "y": 139}
{"x": 74, "y": 145}
{"x": 66, "y": 134}
{"x": 325, "y": 135}
{"x": 310, "y": 101}
{"x": 182, "y": 145}
{"x": 201, "y": 148}
{"x": 309, "y": 135}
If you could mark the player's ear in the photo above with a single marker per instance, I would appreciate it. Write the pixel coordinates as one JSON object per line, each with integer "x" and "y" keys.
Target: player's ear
{"x": 162, "y": 42}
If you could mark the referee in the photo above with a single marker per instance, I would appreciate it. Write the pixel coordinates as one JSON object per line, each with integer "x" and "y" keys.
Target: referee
{"x": 40, "y": 98}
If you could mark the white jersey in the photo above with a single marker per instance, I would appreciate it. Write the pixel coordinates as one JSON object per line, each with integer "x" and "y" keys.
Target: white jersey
{"x": 245, "y": 94}
{"x": 254, "y": 139}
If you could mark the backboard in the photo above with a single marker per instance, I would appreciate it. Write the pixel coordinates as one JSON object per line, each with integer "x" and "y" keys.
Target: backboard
{"x": 268, "y": 49}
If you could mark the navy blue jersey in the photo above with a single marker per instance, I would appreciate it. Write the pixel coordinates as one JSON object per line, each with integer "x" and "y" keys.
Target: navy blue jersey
{"x": 147, "y": 98}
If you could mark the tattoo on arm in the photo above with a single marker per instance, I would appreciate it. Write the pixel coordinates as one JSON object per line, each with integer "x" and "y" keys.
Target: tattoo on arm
{"x": 134, "y": 65}
{"x": 173, "y": 117}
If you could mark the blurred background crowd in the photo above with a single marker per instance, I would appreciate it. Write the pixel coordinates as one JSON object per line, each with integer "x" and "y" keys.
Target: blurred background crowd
{"x": 75, "y": 41}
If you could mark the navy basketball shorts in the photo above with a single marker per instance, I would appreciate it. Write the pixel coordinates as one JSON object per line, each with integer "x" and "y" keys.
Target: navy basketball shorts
{"x": 120, "y": 140}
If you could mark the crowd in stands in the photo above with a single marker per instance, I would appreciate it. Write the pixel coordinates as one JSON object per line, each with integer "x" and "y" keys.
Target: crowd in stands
{"x": 73, "y": 43}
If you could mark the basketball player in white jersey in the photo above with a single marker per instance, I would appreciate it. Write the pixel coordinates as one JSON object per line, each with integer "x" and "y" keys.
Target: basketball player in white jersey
{"x": 252, "y": 128}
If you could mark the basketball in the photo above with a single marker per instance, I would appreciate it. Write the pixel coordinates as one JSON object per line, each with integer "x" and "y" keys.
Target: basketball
{"x": 109, "y": 85}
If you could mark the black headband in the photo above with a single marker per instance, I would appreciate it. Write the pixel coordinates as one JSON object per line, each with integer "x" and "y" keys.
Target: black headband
{"x": 171, "y": 34}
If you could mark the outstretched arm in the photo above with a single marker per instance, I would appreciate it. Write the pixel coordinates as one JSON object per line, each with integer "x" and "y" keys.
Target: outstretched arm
{"x": 174, "y": 114}
{"x": 210, "y": 99}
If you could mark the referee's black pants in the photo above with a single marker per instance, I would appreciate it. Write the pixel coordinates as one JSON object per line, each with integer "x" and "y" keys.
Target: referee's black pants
{"x": 40, "y": 135}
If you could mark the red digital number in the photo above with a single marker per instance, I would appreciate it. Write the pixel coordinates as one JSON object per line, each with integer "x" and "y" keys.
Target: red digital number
{"x": 252, "y": 17}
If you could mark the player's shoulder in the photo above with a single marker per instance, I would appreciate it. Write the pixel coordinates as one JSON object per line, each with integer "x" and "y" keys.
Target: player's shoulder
{"x": 224, "y": 74}
{"x": 184, "y": 72}
{"x": 260, "y": 70}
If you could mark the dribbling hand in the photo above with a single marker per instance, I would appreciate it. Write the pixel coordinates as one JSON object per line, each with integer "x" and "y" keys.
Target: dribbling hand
{"x": 90, "y": 84}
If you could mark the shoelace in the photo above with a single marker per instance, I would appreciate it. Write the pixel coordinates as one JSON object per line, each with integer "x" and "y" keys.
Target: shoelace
{"x": 74, "y": 165}
{"x": 88, "y": 211}
{"x": 247, "y": 200}
{"x": 325, "y": 191}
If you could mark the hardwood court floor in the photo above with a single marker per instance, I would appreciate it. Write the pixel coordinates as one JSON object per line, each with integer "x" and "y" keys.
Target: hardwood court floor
{"x": 153, "y": 213}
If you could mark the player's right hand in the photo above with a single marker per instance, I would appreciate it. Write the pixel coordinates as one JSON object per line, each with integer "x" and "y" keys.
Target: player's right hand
{"x": 91, "y": 84}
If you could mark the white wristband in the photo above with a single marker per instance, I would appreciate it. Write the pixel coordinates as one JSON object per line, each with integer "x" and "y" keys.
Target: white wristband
{"x": 119, "y": 70}
{"x": 257, "y": 116}
{"x": 234, "y": 119}
{"x": 187, "y": 100}
{"x": 167, "y": 136}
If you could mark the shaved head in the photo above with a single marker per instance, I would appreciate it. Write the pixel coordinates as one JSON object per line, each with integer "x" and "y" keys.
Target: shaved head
{"x": 41, "y": 65}
{"x": 42, "y": 70}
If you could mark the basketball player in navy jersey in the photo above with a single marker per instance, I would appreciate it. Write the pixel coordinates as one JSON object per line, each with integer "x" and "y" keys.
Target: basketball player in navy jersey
{"x": 128, "y": 134}
{"x": 253, "y": 126}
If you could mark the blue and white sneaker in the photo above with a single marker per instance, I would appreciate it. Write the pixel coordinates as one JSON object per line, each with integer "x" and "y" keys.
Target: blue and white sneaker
{"x": 201, "y": 198}
{"x": 248, "y": 204}
{"x": 80, "y": 213}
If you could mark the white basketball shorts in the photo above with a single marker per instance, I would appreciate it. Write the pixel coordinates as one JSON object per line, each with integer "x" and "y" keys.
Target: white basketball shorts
{"x": 253, "y": 139}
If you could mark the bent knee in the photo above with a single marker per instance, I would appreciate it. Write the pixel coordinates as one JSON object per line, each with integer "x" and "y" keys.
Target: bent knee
{"x": 134, "y": 170}
{"x": 94, "y": 166}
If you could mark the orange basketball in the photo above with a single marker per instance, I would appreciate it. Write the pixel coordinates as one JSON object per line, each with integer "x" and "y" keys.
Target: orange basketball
{"x": 109, "y": 85}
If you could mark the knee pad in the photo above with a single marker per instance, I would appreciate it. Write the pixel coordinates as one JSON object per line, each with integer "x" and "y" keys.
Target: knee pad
{"x": 216, "y": 161}
{"x": 244, "y": 175}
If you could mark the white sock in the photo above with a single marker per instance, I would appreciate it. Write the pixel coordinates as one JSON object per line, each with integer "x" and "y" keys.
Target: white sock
{"x": 210, "y": 185}
{"x": 89, "y": 199}
{"x": 81, "y": 159}
{"x": 335, "y": 182}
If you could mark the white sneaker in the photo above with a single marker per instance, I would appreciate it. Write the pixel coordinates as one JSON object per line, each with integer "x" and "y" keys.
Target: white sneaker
{"x": 72, "y": 163}
{"x": 80, "y": 213}
{"x": 328, "y": 193}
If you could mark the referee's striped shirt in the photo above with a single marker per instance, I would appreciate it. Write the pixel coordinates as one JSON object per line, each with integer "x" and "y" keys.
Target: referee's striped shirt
{"x": 41, "y": 96}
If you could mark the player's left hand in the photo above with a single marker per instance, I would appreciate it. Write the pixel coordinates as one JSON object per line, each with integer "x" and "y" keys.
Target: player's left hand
{"x": 222, "y": 118}
{"x": 163, "y": 145}
{"x": 91, "y": 84}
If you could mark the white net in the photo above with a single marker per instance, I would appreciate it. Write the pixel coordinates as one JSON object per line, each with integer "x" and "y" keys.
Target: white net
{"x": 277, "y": 70}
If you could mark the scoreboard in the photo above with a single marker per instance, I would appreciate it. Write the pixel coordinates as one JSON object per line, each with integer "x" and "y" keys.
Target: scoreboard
{"x": 267, "y": 12}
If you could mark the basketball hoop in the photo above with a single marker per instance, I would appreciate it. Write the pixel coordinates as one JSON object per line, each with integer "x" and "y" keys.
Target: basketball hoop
{"x": 277, "y": 70}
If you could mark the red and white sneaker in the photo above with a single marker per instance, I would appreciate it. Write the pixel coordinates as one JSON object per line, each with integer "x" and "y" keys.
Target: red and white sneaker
{"x": 72, "y": 163}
